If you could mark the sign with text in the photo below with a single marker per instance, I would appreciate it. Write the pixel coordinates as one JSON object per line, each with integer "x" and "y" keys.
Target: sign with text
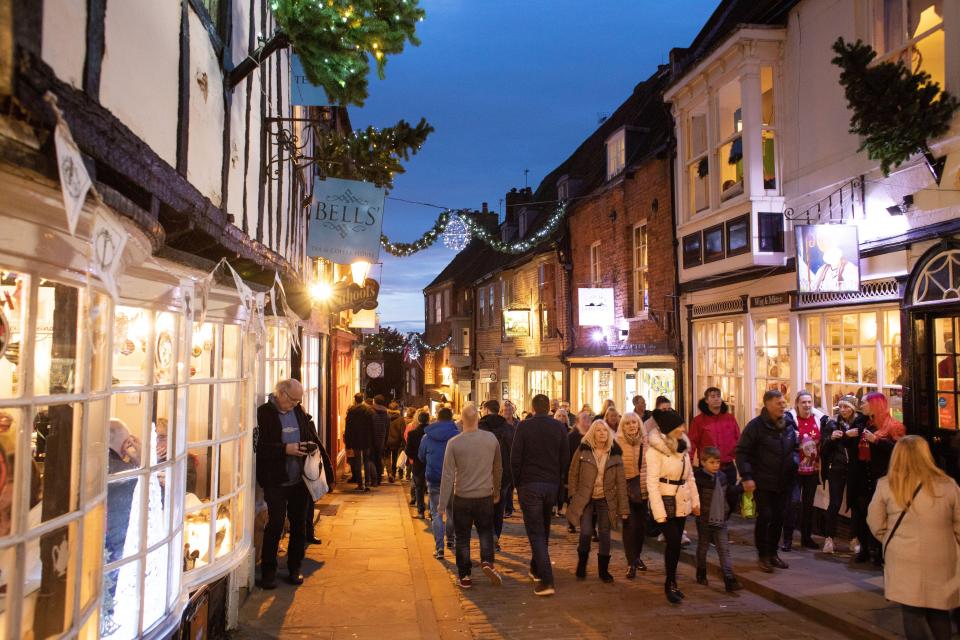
{"x": 348, "y": 295}
{"x": 769, "y": 300}
{"x": 516, "y": 323}
{"x": 346, "y": 219}
{"x": 302, "y": 92}
{"x": 595, "y": 306}
{"x": 828, "y": 258}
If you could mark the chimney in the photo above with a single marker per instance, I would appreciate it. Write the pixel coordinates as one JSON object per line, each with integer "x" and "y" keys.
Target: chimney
{"x": 484, "y": 208}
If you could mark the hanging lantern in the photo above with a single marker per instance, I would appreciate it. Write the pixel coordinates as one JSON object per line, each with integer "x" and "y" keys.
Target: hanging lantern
{"x": 456, "y": 235}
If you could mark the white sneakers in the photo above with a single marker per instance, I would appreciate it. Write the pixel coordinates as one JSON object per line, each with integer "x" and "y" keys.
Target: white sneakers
{"x": 828, "y": 545}
{"x": 685, "y": 539}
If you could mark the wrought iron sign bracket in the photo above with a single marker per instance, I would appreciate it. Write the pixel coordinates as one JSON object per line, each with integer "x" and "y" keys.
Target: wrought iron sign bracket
{"x": 841, "y": 205}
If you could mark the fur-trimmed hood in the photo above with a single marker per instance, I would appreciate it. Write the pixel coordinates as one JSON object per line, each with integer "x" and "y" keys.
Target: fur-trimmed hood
{"x": 615, "y": 449}
{"x": 702, "y": 405}
{"x": 663, "y": 444}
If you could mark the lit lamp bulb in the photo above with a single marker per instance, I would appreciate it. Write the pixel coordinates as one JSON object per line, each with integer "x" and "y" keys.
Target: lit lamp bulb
{"x": 597, "y": 336}
{"x": 359, "y": 270}
{"x": 320, "y": 291}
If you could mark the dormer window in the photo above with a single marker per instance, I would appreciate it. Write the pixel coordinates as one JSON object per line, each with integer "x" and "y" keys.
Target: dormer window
{"x": 616, "y": 153}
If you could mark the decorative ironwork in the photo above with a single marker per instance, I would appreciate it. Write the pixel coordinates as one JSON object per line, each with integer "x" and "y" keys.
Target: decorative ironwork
{"x": 874, "y": 291}
{"x": 842, "y": 204}
{"x": 939, "y": 281}
{"x": 724, "y": 307}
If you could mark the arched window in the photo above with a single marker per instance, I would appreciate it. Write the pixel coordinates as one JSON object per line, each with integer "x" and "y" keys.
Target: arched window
{"x": 939, "y": 279}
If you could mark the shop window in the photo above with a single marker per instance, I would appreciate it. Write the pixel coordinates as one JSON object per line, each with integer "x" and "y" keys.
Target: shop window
{"x": 912, "y": 32}
{"x": 720, "y": 361}
{"x": 771, "y": 339}
{"x": 641, "y": 270}
{"x": 698, "y": 164}
{"x": 738, "y": 236}
{"x": 310, "y": 374}
{"x": 595, "y": 264}
{"x": 770, "y": 234}
{"x": 547, "y": 286}
{"x": 692, "y": 250}
{"x": 602, "y": 380}
{"x": 730, "y": 149}
{"x": 814, "y": 374}
{"x": 947, "y": 354}
{"x": 276, "y": 357}
{"x": 516, "y": 387}
{"x": 713, "y": 248}
{"x": 549, "y": 383}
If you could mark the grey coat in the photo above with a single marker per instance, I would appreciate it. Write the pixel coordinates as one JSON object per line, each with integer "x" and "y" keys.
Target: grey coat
{"x": 582, "y": 477}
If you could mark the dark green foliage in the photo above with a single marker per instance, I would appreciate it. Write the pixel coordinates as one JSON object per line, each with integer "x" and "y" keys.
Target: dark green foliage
{"x": 336, "y": 38}
{"x": 895, "y": 110}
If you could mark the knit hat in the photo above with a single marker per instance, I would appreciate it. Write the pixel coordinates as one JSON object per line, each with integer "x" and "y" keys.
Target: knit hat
{"x": 667, "y": 420}
{"x": 849, "y": 400}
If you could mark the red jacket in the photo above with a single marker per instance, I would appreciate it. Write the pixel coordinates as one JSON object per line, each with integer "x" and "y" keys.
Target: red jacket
{"x": 710, "y": 430}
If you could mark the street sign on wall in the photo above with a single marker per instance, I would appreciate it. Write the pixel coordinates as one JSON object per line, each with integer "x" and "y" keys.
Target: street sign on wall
{"x": 595, "y": 306}
{"x": 346, "y": 219}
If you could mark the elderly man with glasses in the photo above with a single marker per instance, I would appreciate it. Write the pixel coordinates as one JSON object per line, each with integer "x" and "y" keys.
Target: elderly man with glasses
{"x": 285, "y": 436}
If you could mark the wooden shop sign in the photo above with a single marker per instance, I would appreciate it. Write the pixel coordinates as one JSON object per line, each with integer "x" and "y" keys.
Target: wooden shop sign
{"x": 348, "y": 295}
{"x": 770, "y": 300}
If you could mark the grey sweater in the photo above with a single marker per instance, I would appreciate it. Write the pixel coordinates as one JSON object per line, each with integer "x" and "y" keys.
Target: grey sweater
{"x": 471, "y": 467}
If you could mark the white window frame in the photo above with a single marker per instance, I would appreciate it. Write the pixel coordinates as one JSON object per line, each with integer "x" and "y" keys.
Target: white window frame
{"x": 641, "y": 296}
{"x": 694, "y": 158}
{"x": 719, "y": 143}
{"x": 908, "y": 42}
{"x": 595, "y": 278}
{"x": 616, "y": 148}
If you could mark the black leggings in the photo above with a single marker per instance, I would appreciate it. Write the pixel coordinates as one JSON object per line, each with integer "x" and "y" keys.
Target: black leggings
{"x": 633, "y": 531}
{"x": 673, "y": 534}
{"x": 920, "y": 623}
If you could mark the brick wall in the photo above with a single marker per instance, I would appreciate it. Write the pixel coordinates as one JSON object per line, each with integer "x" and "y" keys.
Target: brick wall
{"x": 633, "y": 200}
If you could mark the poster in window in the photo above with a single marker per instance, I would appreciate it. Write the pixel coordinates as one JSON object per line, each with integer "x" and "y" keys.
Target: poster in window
{"x": 595, "y": 306}
{"x": 828, "y": 258}
{"x": 516, "y": 323}
{"x": 947, "y": 411}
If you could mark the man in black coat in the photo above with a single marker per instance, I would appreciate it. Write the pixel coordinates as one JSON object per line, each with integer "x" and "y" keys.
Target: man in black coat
{"x": 285, "y": 436}
{"x": 358, "y": 437}
{"x": 419, "y": 468}
{"x": 381, "y": 427}
{"x": 496, "y": 424}
{"x": 767, "y": 461}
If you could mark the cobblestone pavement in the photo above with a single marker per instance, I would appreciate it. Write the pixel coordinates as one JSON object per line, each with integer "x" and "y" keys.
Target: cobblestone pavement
{"x": 374, "y": 577}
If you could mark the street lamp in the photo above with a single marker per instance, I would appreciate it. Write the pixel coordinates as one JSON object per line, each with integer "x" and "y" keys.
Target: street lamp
{"x": 320, "y": 291}
{"x": 359, "y": 271}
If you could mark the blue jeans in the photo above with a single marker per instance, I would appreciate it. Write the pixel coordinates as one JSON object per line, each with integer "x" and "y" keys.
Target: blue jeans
{"x": 436, "y": 517}
{"x": 537, "y": 500}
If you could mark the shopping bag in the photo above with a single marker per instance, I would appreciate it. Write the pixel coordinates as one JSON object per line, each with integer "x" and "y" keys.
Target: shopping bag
{"x": 748, "y": 507}
{"x": 401, "y": 460}
{"x": 314, "y": 477}
{"x": 821, "y": 499}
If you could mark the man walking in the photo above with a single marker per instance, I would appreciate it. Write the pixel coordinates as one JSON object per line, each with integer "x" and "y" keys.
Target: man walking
{"x": 537, "y": 457}
{"x": 431, "y": 452}
{"x": 394, "y": 441}
{"x": 765, "y": 458}
{"x": 358, "y": 437}
{"x": 493, "y": 422}
{"x": 472, "y": 474}
{"x": 285, "y": 436}
{"x": 716, "y": 427}
{"x": 381, "y": 426}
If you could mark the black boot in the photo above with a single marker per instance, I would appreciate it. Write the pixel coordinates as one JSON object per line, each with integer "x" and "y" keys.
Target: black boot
{"x": 731, "y": 584}
{"x": 603, "y": 566}
{"x": 632, "y": 571}
{"x": 702, "y": 577}
{"x": 673, "y": 594}
{"x": 582, "y": 564}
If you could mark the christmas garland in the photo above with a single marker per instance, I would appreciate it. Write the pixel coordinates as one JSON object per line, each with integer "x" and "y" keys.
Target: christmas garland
{"x": 335, "y": 38}
{"x": 475, "y": 230}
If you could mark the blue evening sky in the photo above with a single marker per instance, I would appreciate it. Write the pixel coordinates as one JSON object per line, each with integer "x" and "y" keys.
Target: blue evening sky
{"x": 509, "y": 85}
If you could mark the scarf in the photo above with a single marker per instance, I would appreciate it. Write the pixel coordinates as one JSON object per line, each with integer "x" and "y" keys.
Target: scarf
{"x": 718, "y": 507}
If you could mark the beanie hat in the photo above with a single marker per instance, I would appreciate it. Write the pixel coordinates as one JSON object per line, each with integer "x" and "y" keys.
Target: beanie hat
{"x": 849, "y": 400}
{"x": 667, "y": 420}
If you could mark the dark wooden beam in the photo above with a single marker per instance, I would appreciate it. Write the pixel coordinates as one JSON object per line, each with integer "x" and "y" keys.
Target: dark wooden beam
{"x": 28, "y": 25}
{"x": 255, "y": 58}
{"x": 278, "y": 234}
{"x": 93, "y": 61}
{"x": 227, "y": 107}
{"x": 264, "y": 152}
{"x": 246, "y": 130}
{"x": 183, "y": 103}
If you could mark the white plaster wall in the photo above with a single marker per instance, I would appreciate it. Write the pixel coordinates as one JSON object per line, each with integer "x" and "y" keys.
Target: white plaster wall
{"x": 205, "y": 147}
{"x": 237, "y": 148}
{"x": 65, "y": 39}
{"x": 139, "y": 78}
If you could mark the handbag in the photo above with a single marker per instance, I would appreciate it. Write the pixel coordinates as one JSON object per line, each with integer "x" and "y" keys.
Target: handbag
{"x": 821, "y": 499}
{"x": 899, "y": 520}
{"x": 670, "y": 506}
{"x": 314, "y": 476}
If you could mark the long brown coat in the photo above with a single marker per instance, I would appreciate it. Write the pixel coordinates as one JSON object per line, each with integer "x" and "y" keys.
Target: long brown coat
{"x": 922, "y": 560}
{"x": 582, "y": 477}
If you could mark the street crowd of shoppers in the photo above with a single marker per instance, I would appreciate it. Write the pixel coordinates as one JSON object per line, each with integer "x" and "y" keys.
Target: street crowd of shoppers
{"x": 643, "y": 471}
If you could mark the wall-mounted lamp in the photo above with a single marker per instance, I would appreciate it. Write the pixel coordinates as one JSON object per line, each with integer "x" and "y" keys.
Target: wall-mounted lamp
{"x": 359, "y": 271}
{"x": 905, "y": 205}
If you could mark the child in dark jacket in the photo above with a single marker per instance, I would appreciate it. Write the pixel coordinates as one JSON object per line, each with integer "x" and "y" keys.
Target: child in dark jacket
{"x": 717, "y": 497}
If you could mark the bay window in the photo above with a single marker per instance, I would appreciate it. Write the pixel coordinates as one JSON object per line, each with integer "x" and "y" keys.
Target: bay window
{"x": 911, "y": 31}
{"x": 771, "y": 341}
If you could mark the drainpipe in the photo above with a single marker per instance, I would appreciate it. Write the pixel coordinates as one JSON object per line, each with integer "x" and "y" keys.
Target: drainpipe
{"x": 678, "y": 340}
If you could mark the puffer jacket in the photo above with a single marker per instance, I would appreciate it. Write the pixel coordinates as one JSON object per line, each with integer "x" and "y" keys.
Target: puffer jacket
{"x": 582, "y": 477}
{"x": 714, "y": 430}
{"x": 707, "y": 485}
{"x": 381, "y": 425}
{"x": 768, "y": 455}
{"x": 839, "y": 455}
{"x": 395, "y": 433}
{"x": 664, "y": 461}
{"x": 633, "y": 460}
{"x": 432, "y": 448}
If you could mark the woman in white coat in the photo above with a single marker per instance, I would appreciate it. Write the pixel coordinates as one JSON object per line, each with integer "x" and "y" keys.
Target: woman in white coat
{"x": 915, "y": 513}
{"x": 671, "y": 489}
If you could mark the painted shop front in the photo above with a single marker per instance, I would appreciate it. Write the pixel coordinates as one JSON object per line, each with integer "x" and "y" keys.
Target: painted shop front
{"x": 597, "y": 379}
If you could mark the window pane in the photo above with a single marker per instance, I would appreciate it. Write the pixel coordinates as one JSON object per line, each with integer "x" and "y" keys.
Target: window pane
{"x": 200, "y": 413}
{"x": 93, "y": 530}
{"x": 738, "y": 236}
{"x": 232, "y": 351}
{"x": 224, "y": 532}
{"x": 155, "y": 586}
{"x": 731, "y": 120}
{"x": 697, "y": 143}
{"x": 54, "y": 431}
{"x": 95, "y": 448}
{"x": 928, "y": 53}
{"x": 123, "y": 519}
{"x": 120, "y": 611}
{"x": 813, "y": 331}
{"x": 52, "y": 558}
{"x": 230, "y": 473}
{"x": 730, "y": 161}
{"x": 14, "y": 294}
{"x": 199, "y": 477}
{"x": 868, "y": 328}
{"x": 196, "y": 539}
{"x": 202, "y": 349}
{"x": 158, "y": 507}
{"x": 11, "y": 421}
{"x": 868, "y": 364}
{"x": 128, "y": 416}
{"x": 57, "y": 339}
{"x": 231, "y": 409}
{"x": 100, "y": 319}
{"x": 767, "y": 108}
{"x": 164, "y": 358}
{"x": 770, "y": 231}
{"x": 814, "y": 370}
{"x": 176, "y": 569}
{"x": 769, "y": 159}
{"x": 697, "y": 175}
{"x": 163, "y": 433}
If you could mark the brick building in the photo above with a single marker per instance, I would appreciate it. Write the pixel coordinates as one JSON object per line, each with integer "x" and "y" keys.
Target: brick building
{"x": 622, "y": 248}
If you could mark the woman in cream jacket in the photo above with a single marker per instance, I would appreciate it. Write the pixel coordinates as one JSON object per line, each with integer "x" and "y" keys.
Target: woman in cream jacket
{"x": 670, "y": 488}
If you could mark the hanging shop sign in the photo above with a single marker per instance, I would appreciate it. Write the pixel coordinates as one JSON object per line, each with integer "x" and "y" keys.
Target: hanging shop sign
{"x": 348, "y": 295}
{"x": 364, "y": 319}
{"x": 828, "y": 258}
{"x": 302, "y": 92}
{"x": 346, "y": 219}
{"x": 595, "y": 306}
{"x": 487, "y": 376}
{"x": 770, "y": 300}
{"x": 516, "y": 323}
